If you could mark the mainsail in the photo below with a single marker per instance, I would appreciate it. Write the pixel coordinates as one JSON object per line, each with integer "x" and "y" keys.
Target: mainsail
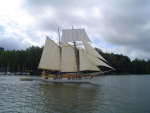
{"x": 68, "y": 60}
{"x": 85, "y": 63}
{"x": 50, "y": 59}
{"x": 72, "y": 35}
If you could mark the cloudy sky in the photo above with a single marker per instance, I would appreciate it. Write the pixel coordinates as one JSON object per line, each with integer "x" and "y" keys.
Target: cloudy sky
{"x": 118, "y": 26}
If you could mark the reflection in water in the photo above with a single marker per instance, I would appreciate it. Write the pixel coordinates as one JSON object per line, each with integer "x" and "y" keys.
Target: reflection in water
{"x": 107, "y": 94}
{"x": 69, "y": 97}
{"x": 46, "y": 97}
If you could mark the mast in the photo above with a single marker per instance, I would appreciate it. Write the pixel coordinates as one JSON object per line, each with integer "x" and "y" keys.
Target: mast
{"x": 59, "y": 47}
{"x": 59, "y": 36}
{"x": 8, "y": 67}
{"x": 77, "y": 60}
{"x": 23, "y": 68}
{"x": 1, "y": 68}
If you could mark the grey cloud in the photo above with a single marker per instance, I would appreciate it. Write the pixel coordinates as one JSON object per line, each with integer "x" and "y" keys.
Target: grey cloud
{"x": 9, "y": 43}
{"x": 14, "y": 41}
{"x": 122, "y": 22}
{"x": 2, "y": 29}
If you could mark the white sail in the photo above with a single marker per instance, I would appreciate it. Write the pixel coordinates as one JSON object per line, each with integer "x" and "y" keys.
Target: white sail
{"x": 91, "y": 51}
{"x": 50, "y": 59}
{"x": 71, "y": 35}
{"x": 85, "y": 63}
{"x": 97, "y": 61}
{"x": 68, "y": 59}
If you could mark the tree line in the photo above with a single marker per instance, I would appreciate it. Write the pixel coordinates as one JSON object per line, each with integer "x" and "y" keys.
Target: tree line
{"x": 21, "y": 60}
{"x": 124, "y": 65}
{"x": 28, "y": 60}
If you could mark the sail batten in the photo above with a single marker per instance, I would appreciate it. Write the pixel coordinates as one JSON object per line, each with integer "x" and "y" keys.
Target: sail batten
{"x": 72, "y": 35}
{"x": 68, "y": 62}
{"x": 50, "y": 58}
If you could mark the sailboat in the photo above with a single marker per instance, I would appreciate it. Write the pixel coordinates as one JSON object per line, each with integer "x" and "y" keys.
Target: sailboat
{"x": 2, "y": 70}
{"x": 72, "y": 60}
{"x": 8, "y": 72}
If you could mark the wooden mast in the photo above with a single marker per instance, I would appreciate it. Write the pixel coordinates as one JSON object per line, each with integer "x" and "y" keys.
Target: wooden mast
{"x": 77, "y": 60}
{"x": 59, "y": 48}
{"x": 59, "y": 36}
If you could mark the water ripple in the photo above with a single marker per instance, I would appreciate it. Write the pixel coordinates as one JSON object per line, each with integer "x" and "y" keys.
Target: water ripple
{"x": 106, "y": 94}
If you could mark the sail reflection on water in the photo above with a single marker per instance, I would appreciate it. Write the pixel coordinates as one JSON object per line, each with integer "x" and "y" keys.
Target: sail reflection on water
{"x": 69, "y": 97}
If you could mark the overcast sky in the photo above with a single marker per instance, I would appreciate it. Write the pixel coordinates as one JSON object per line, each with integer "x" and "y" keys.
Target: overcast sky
{"x": 117, "y": 26}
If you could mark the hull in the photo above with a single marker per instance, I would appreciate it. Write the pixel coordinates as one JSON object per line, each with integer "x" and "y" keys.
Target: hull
{"x": 26, "y": 79}
{"x": 66, "y": 80}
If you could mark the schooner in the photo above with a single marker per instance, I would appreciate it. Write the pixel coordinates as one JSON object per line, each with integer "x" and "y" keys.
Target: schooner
{"x": 69, "y": 60}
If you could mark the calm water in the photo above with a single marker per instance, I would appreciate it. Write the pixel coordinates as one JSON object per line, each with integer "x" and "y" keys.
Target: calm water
{"x": 107, "y": 94}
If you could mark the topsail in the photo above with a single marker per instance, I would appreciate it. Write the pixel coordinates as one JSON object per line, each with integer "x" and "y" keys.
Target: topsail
{"x": 72, "y": 35}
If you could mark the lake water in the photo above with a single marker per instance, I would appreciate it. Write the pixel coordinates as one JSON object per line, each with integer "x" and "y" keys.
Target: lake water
{"x": 106, "y": 94}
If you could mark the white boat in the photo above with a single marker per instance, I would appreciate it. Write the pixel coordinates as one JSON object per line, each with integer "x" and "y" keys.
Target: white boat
{"x": 12, "y": 73}
{"x": 25, "y": 73}
{"x": 2, "y": 70}
{"x": 2, "y": 73}
{"x": 18, "y": 73}
{"x": 8, "y": 73}
{"x": 63, "y": 62}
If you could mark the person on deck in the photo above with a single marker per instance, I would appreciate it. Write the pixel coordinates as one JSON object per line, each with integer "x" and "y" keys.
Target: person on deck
{"x": 56, "y": 74}
{"x": 46, "y": 74}
{"x": 60, "y": 75}
{"x": 43, "y": 73}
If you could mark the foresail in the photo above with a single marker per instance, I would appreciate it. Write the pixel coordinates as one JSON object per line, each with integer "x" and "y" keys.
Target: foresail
{"x": 68, "y": 60}
{"x": 97, "y": 61}
{"x": 71, "y": 35}
{"x": 85, "y": 63}
{"x": 91, "y": 51}
{"x": 50, "y": 58}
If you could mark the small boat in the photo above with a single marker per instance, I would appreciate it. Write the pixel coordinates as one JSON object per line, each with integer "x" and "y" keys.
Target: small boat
{"x": 2, "y": 73}
{"x": 26, "y": 79}
{"x": 8, "y": 73}
{"x": 25, "y": 73}
{"x": 72, "y": 60}
{"x": 18, "y": 73}
{"x": 12, "y": 73}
